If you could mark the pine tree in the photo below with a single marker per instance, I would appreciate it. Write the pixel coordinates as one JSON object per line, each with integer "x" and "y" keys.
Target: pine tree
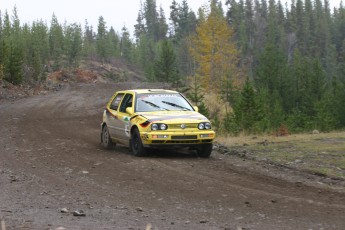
{"x": 196, "y": 95}
{"x": 1, "y": 49}
{"x": 183, "y": 25}
{"x": 89, "y": 49}
{"x": 247, "y": 110}
{"x": 73, "y": 44}
{"x": 174, "y": 17}
{"x": 162, "y": 27}
{"x": 101, "y": 39}
{"x": 15, "y": 72}
{"x": 270, "y": 72}
{"x": 139, "y": 28}
{"x": 146, "y": 53}
{"x": 151, "y": 19}
{"x": 6, "y": 54}
{"x": 12, "y": 48}
{"x": 126, "y": 45}
{"x": 165, "y": 67}
{"x": 113, "y": 43}
{"x": 56, "y": 42}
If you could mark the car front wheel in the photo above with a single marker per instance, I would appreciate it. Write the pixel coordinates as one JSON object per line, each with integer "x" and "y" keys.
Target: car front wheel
{"x": 204, "y": 150}
{"x": 137, "y": 145}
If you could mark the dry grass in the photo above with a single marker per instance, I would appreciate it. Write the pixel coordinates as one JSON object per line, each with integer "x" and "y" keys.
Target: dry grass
{"x": 216, "y": 106}
{"x": 254, "y": 139}
{"x": 322, "y": 154}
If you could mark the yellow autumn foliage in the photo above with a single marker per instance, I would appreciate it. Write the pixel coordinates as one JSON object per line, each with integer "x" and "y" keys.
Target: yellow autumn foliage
{"x": 214, "y": 51}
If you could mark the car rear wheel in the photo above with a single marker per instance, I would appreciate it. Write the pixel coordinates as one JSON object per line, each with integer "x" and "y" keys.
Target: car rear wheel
{"x": 204, "y": 150}
{"x": 137, "y": 145}
{"x": 106, "y": 139}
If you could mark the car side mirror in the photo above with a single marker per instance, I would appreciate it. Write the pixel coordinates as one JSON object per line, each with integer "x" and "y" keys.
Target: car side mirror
{"x": 196, "y": 108}
{"x": 130, "y": 110}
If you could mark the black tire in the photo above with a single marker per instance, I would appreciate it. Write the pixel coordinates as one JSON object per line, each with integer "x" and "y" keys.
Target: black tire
{"x": 106, "y": 139}
{"x": 137, "y": 145}
{"x": 204, "y": 150}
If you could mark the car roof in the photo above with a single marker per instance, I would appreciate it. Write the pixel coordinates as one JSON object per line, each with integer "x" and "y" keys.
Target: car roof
{"x": 142, "y": 91}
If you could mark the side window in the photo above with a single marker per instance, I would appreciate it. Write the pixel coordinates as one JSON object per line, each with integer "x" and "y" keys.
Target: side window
{"x": 115, "y": 103}
{"x": 126, "y": 102}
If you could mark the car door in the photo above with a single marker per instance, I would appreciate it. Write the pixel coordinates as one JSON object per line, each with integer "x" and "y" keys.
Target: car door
{"x": 112, "y": 115}
{"x": 124, "y": 117}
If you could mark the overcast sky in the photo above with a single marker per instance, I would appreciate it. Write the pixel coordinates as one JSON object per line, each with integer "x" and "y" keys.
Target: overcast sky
{"x": 116, "y": 13}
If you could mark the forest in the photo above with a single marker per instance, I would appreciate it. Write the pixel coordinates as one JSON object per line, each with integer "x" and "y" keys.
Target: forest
{"x": 256, "y": 67}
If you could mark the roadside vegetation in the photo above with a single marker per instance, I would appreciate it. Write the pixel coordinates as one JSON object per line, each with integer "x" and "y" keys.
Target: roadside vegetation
{"x": 257, "y": 67}
{"x": 321, "y": 154}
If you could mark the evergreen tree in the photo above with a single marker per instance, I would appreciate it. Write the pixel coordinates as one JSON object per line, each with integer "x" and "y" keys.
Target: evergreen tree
{"x": 174, "y": 17}
{"x": 101, "y": 39}
{"x": 126, "y": 45}
{"x": 247, "y": 111}
{"x": 197, "y": 96}
{"x": 38, "y": 53}
{"x": 151, "y": 19}
{"x": 165, "y": 67}
{"x": 139, "y": 28}
{"x": 1, "y": 49}
{"x": 89, "y": 49}
{"x": 327, "y": 109}
{"x": 6, "y": 54}
{"x": 114, "y": 43}
{"x": 260, "y": 28}
{"x": 162, "y": 27}
{"x": 1, "y": 25}
{"x": 73, "y": 44}
{"x": 271, "y": 69}
{"x": 145, "y": 55}
{"x": 12, "y": 48}
{"x": 56, "y": 42}
{"x": 184, "y": 23}
{"x": 15, "y": 72}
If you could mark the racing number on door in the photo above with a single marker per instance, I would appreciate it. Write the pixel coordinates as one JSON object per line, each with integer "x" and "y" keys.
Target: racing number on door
{"x": 123, "y": 117}
{"x": 112, "y": 121}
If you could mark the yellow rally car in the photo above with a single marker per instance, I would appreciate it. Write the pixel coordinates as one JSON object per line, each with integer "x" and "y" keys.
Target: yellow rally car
{"x": 155, "y": 118}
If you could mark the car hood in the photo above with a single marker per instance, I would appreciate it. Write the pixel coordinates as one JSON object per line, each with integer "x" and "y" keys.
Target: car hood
{"x": 174, "y": 116}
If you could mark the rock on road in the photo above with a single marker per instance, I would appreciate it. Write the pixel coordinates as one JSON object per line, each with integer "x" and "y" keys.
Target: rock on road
{"x": 52, "y": 166}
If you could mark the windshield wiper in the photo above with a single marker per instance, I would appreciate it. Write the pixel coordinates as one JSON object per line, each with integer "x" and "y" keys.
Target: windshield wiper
{"x": 153, "y": 104}
{"x": 176, "y": 105}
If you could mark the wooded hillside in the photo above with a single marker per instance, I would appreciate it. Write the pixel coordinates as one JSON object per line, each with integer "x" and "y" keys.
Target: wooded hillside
{"x": 267, "y": 67}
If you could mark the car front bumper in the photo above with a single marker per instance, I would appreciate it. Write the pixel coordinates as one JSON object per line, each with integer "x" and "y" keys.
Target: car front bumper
{"x": 151, "y": 139}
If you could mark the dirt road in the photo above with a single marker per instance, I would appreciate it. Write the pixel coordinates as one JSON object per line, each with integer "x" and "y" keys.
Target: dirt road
{"x": 51, "y": 161}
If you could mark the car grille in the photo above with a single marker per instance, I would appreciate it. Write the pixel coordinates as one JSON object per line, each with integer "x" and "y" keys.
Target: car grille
{"x": 187, "y": 137}
{"x": 187, "y": 126}
{"x": 180, "y": 141}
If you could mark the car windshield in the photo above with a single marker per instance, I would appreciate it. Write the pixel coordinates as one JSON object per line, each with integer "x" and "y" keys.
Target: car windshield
{"x": 161, "y": 102}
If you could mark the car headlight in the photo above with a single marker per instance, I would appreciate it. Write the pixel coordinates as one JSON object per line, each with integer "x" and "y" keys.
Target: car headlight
{"x": 204, "y": 125}
{"x": 154, "y": 127}
{"x": 207, "y": 125}
{"x": 163, "y": 126}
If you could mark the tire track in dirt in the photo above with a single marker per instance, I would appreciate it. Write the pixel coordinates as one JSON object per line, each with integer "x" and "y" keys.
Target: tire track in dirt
{"x": 54, "y": 140}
